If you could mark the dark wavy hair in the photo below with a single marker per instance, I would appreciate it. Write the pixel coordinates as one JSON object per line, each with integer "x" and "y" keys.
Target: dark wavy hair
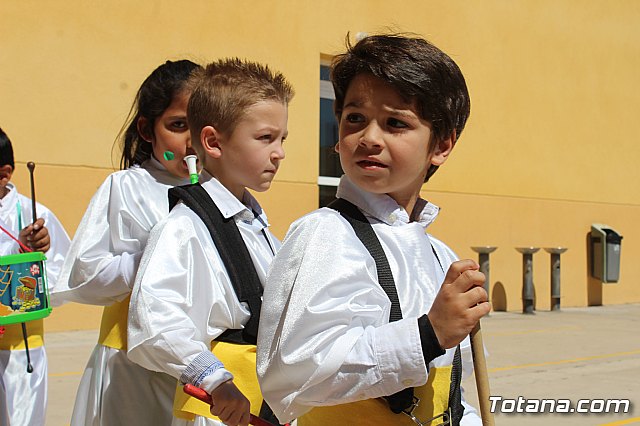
{"x": 154, "y": 96}
{"x": 6, "y": 150}
{"x": 418, "y": 70}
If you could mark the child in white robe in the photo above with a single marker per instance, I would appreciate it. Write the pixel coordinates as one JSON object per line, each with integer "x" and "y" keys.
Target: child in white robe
{"x": 329, "y": 348}
{"x": 107, "y": 247}
{"x": 23, "y": 396}
{"x": 184, "y": 299}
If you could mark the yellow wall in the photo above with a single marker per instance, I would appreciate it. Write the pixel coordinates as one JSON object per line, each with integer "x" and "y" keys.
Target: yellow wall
{"x": 548, "y": 150}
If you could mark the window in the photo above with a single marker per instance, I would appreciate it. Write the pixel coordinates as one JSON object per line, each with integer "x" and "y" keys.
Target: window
{"x": 330, "y": 169}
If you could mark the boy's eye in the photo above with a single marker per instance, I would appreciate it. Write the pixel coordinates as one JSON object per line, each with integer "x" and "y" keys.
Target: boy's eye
{"x": 354, "y": 118}
{"x": 266, "y": 137}
{"x": 397, "y": 124}
{"x": 182, "y": 125}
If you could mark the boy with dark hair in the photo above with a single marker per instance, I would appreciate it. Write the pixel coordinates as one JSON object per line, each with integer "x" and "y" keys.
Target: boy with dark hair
{"x": 23, "y": 395}
{"x": 363, "y": 310}
{"x": 196, "y": 300}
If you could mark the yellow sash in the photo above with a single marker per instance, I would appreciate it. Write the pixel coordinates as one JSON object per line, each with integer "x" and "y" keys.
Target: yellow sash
{"x": 434, "y": 400}
{"x": 240, "y": 360}
{"x": 113, "y": 329}
{"x": 12, "y": 338}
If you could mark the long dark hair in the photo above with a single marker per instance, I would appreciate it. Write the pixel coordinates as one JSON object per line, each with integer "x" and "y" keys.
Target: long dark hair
{"x": 154, "y": 96}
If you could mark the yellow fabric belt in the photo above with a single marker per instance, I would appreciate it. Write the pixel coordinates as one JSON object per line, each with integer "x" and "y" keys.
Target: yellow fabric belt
{"x": 12, "y": 338}
{"x": 434, "y": 400}
{"x": 113, "y": 329}
{"x": 240, "y": 360}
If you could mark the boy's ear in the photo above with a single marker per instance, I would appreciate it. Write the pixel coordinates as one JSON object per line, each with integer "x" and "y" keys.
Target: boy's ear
{"x": 443, "y": 149}
{"x": 336, "y": 147}
{"x": 6, "y": 172}
{"x": 143, "y": 129}
{"x": 210, "y": 140}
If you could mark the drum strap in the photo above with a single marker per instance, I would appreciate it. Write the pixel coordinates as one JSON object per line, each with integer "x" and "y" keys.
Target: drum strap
{"x": 19, "y": 209}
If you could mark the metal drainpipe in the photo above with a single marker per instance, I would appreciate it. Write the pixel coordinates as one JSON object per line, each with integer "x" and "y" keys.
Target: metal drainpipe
{"x": 527, "y": 278}
{"x": 483, "y": 261}
{"x": 555, "y": 275}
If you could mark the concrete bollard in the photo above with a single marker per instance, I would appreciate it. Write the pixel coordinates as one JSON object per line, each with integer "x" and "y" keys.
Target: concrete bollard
{"x": 555, "y": 275}
{"x": 483, "y": 261}
{"x": 527, "y": 278}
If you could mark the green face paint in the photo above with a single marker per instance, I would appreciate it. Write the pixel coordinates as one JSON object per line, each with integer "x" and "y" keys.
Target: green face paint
{"x": 168, "y": 155}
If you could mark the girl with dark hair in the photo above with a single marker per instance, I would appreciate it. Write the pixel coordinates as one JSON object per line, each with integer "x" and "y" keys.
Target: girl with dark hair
{"x": 105, "y": 253}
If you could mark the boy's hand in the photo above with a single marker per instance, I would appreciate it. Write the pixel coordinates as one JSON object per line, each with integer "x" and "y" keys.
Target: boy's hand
{"x": 459, "y": 304}
{"x": 230, "y": 405}
{"x": 36, "y": 236}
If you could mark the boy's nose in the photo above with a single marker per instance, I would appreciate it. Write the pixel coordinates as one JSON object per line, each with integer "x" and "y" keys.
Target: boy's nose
{"x": 278, "y": 152}
{"x": 371, "y": 136}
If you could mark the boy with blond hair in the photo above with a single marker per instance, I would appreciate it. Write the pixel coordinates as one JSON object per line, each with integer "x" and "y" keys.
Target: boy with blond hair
{"x": 363, "y": 310}
{"x": 196, "y": 301}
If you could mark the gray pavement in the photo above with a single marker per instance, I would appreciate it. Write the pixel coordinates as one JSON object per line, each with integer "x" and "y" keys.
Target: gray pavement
{"x": 575, "y": 354}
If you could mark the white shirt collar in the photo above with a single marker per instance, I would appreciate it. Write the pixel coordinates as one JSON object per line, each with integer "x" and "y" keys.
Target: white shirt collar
{"x": 248, "y": 210}
{"x": 11, "y": 197}
{"x": 384, "y": 208}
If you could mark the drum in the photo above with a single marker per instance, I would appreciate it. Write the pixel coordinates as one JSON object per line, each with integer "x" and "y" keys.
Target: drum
{"x": 24, "y": 294}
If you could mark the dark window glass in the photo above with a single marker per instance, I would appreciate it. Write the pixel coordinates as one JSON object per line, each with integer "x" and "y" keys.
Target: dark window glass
{"x": 324, "y": 72}
{"x": 329, "y": 159}
{"x": 327, "y": 194}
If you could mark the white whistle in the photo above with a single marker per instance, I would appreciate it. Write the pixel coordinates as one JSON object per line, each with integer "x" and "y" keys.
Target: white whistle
{"x": 191, "y": 161}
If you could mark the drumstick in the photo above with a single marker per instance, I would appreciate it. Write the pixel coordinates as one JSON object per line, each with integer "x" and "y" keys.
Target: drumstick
{"x": 31, "y": 165}
{"x": 482, "y": 376}
{"x": 26, "y": 348}
{"x": 203, "y": 396}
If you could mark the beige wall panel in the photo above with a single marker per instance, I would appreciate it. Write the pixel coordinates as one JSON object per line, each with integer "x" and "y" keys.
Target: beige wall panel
{"x": 286, "y": 202}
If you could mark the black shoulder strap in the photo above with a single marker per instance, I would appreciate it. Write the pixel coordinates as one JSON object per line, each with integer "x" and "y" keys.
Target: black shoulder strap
{"x": 233, "y": 252}
{"x": 455, "y": 395}
{"x": 402, "y": 400}
{"x": 366, "y": 234}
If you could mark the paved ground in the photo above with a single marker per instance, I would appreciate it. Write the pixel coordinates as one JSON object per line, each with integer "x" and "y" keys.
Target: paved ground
{"x": 577, "y": 353}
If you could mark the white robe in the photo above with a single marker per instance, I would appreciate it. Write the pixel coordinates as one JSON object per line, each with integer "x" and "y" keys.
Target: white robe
{"x": 325, "y": 336}
{"x": 23, "y": 396}
{"x": 100, "y": 270}
{"x": 183, "y": 298}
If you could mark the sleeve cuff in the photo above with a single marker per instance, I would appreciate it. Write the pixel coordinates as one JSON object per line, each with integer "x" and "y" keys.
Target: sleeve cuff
{"x": 430, "y": 346}
{"x": 205, "y": 366}
{"x": 212, "y": 381}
